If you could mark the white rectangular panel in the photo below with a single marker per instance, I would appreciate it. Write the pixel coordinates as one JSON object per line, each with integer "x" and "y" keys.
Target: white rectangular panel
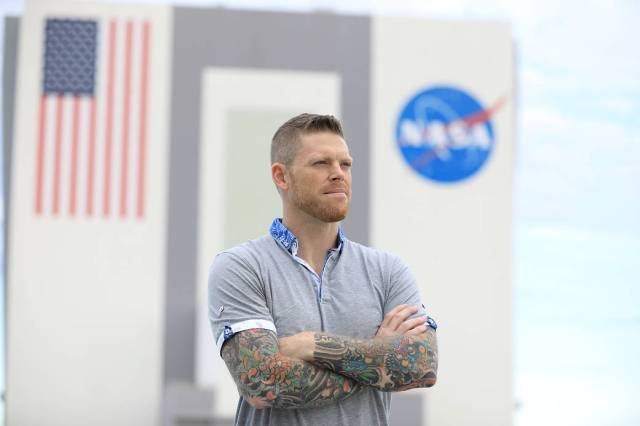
{"x": 86, "y": 284}
{"x": 456, "y": 236}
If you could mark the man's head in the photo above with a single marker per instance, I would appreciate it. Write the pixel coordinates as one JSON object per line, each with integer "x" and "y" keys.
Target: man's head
{"x": 311, "y": 167}
{"x": 286, "y": 140}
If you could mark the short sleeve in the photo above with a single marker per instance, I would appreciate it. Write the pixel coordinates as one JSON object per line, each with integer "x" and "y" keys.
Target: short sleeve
{"x": 403, "y": 288}
{"x": 236, "y": 298}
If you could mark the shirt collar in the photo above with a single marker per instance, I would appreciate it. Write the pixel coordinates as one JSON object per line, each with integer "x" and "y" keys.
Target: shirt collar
{"x": 289, "y": 241}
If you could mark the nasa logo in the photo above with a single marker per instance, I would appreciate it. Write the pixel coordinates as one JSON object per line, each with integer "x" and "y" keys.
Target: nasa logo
{"x": 445, "y": 134}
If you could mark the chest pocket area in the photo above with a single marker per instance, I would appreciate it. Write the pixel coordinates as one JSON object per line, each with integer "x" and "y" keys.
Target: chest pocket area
{"x": 295, "y": 318}
{"x": 354, "y": 315}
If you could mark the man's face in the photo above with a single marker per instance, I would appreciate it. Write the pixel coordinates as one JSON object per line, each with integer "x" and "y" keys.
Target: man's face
{"x": 320, "y": 177}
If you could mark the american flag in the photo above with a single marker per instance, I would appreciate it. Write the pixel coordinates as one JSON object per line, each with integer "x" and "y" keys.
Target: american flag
{"x": 92, "y": 120}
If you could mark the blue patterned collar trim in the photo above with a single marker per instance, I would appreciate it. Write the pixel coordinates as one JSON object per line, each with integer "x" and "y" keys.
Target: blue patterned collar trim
{"x": 282, "y": 235}
{"x": 289, "y": 241}
{"x": 340, "y": 237}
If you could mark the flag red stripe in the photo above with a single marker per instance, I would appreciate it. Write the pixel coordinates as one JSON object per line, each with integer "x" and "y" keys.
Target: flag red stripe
{"x": 124, "y": 167}
{"x": 74, "y": 155}
{"x": 106, "y": 206}
{"x": 58, "y": 153}
{"x": 40, "y": 155}
{"x": 143, "y": 118}
{"x": 91, "y": 155}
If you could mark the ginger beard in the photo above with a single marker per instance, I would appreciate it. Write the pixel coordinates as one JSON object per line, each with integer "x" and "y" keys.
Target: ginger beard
{"x": 320, "y": 206}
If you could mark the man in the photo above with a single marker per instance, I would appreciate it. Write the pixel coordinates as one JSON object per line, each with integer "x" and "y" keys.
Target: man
{"x": 316, "y": 329}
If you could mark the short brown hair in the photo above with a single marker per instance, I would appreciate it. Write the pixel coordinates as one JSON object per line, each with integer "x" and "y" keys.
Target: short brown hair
{"x": 285, "y": 141}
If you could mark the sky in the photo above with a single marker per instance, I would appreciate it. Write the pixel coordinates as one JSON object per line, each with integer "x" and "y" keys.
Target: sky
{"x": 576, "y": 197}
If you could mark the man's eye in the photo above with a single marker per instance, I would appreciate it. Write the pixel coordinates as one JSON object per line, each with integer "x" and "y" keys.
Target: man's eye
{"x": 320, "y": 163}
{"x": 348, "y": 165}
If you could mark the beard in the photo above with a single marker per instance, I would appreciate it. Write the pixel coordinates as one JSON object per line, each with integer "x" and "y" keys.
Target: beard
{"x": 324, "y": 210}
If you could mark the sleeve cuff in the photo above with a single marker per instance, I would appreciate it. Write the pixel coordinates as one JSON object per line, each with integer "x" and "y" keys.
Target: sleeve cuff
{"x": 230, "y": 329}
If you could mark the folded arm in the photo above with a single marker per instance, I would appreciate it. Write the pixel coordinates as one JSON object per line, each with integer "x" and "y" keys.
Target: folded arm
{"x": 267, "y": 378}
{"x": 388, "y": 363}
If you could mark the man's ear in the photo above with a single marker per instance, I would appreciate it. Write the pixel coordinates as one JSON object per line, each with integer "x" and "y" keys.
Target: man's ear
{"x": 279, "y": 176}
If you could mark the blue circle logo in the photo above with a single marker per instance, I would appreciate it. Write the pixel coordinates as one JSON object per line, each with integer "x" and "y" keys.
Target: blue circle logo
{"x": 445, "y": 134}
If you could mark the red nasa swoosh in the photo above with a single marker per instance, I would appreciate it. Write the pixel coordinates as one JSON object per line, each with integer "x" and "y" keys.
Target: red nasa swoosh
{"x": 475, "y": 118}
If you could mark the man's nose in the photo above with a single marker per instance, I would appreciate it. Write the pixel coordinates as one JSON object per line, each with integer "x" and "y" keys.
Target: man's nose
{"x": 336, "y": 172}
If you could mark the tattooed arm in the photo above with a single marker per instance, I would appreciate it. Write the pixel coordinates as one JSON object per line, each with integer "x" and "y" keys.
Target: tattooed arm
{"x": 267, "y": 378}
{"x": 389, "y": 363}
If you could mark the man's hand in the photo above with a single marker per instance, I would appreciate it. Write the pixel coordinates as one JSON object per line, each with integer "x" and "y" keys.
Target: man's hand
{"x": 299, "y": 346}
{"x": 403, "y": 354}
{"x": 395, "y": 323}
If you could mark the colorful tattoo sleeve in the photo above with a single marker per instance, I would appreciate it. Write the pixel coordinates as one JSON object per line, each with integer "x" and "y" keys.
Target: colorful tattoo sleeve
{"x": 394, "y": 363}
{"x": 265, "y": 378}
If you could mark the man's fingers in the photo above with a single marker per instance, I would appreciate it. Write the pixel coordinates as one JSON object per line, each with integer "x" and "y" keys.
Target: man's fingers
{"x": 390, "y": 314}
{"x": 416, "y": 330}
{"x": 411, "y": 324}
{"x": 401, "y": 316}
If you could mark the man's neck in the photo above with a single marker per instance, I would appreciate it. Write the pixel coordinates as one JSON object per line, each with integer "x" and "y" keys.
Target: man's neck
{"x": 315, "y": 238}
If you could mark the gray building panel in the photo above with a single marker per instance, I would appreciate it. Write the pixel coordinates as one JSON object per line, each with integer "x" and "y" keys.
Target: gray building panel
{"x": 225, "y": 38}
{"x": 9, "y": 65}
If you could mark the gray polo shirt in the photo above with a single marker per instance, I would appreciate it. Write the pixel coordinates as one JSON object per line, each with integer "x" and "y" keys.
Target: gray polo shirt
{"x": 264, "y": 284}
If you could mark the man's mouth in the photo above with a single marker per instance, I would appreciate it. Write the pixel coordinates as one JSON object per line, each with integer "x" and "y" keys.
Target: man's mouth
{"x": 337, "y": 191}
{"x": 337, "y": 194}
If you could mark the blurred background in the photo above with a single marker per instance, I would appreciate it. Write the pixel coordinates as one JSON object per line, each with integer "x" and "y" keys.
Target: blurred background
{"x": 576, "y": 197}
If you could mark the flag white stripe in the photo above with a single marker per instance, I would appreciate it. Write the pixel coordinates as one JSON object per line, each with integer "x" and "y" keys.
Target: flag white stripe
{"x": 65, "y": 158}
{"x": 49, "y": 153}
{"x": 136, "y": 65}
{"x": 83, "y": 157}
